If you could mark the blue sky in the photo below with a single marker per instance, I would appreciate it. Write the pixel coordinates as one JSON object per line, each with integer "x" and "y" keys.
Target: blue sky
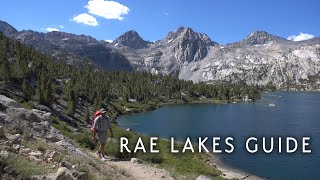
{"x": 224, "y": 21}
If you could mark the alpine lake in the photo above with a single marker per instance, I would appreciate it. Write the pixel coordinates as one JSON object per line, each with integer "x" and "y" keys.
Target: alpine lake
{"x": 277, "y": 114}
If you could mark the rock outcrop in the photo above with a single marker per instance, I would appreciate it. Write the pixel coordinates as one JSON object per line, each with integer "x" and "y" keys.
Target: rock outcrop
{"x": 34, "y": 123}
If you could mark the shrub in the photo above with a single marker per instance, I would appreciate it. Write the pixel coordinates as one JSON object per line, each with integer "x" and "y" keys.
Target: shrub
{"x": 85, "y": 140}
{"x": 26, "y": 168}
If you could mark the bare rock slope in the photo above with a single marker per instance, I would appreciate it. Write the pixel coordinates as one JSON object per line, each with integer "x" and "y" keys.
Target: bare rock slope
{"x": 260, "y": 58}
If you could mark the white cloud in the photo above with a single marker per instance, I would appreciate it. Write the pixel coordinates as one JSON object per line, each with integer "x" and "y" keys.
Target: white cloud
{"x": 109, "y": 41}
{"x": 61, "y": 26}
{"x": 50, "y": 29}
{"x": 301, "y": 37}
{"x": 85, "y": 18}
{"x": 107, "y": 9}
{"x": 166, "y": 13}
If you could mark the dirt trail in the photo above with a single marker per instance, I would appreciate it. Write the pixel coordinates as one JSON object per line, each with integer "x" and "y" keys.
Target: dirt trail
{"x": 137, "y": 170}
{"x": 142, "y": 171}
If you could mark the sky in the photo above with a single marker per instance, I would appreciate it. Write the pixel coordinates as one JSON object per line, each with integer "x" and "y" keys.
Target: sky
{"x": 224, "y": 21}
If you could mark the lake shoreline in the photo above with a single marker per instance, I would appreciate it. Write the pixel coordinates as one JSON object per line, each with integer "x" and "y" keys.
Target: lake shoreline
{"x": 227, "y": 171}
{"x": 231, "y": 172}
{"x": 180, "y": 102}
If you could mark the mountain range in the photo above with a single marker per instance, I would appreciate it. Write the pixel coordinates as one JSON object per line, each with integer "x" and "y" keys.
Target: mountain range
{"x": 260, "y": 58}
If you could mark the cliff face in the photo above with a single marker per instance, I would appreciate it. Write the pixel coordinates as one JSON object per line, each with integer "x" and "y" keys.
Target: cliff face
{"x": 274, "y": 63}
{"x": 168, "y": 55}
{"x": 260, "y": 58}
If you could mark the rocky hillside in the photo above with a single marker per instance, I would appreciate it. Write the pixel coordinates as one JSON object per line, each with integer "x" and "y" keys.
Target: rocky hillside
{"x": 73, "y": 49}
{"x": 31, "y": 148}
{"x": 261, "y": 58}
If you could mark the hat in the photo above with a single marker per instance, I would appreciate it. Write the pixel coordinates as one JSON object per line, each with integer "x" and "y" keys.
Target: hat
{"x": 103, "y": 111}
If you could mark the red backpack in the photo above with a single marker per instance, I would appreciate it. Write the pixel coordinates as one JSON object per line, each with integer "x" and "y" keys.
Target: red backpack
{"x": 98, "y": 113}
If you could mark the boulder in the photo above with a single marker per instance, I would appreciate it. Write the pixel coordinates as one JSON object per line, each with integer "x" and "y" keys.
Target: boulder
{"x": 2, "y": 136}
{"x": 41, "y": 107}
{"x": 9, "y": 170}
{"x": 25, "y": 150}
{"x": 33, "y": 115}
{"x": 41, "y": 116}
{"x": 8, "y": 143}
{"x": 71, "y": 149}
{"x": 66, "y": 164}
{"x": 80, "y": 175}
{"x": 15, "y": 139}
{"x": 34, "y": 158}
{"x": 50, "y": 154}
{"x": 16, "y": 147}
{"x": 4, "y": 154}
{"x": 35, "y": 153}
{"x": 39, "y": 129}
{"x": 202, "y": 177}
{"x": 136, "y": 160}
{"x": 54, "y": 135}
{"x": 129, "y": 129}
{"x": 3, "y": 117}
{"x": 63, "y": 174}
{"x": 7, "y": 102}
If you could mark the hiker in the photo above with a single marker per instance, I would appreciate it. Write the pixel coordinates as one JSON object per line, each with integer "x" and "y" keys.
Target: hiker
{"x": 100, "y": 126}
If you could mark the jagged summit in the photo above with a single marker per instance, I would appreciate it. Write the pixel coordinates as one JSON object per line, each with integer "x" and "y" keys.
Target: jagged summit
{"x": 262, "y": 37}
{"x": 184, "y": 33}
{"x": 257, "y": 38}
{"x": 132, "y": 40}
{"x": 7, "y": 29}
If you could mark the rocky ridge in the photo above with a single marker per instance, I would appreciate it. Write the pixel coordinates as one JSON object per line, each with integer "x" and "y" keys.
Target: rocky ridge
{"x": 73, "y": 49}
{"x": 260, "y": 58}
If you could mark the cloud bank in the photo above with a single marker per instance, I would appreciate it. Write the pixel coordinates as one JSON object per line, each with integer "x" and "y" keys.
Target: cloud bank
{"x": 86, "y": 19}
{"x": 50, "y": 29}
{"x": 301, "y": 37}
{"x": 107, "y": 9}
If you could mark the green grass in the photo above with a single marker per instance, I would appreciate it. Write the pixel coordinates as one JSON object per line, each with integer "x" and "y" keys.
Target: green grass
{"x": 24, "y": 167}
{"x": 63, "y": 128}
{"x": 84, "y": 168}
{"x": 26, "y": 105}
{"x": 58, "y": 158}
{"x": 181, "y": 164}
{"x": 39, "y": 145}
{"x": 187, "y": 164}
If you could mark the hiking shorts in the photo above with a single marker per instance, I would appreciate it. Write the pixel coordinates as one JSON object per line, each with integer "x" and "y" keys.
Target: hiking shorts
{"x": 102, "y": 137}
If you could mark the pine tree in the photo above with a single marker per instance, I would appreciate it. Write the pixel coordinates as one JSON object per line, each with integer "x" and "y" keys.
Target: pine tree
{"x": 86, "y": 117}
{"x": 97, "y": 103}
{"x": 71, "y": 105}
{"x": 26, "y": 90}
{"x": 5, "y": 68}
{"x": 48, "y": 93}
{"x": 39, "y": 93}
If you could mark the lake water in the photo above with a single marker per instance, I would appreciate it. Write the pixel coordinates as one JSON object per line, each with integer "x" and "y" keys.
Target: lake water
{"x": 296, "y": 114}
